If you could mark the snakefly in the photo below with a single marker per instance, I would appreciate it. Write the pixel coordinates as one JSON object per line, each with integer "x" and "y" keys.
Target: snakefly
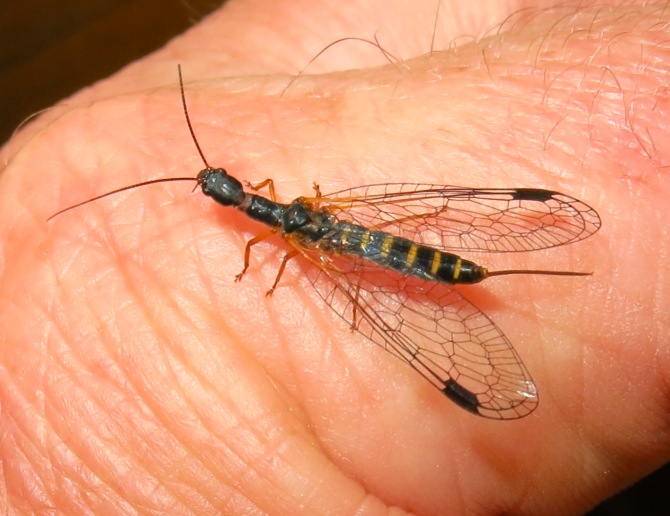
{"x": 381, "y": 257}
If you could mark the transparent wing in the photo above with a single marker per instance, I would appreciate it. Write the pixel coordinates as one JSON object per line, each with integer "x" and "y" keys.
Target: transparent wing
{"x": 433, "y": 329}
{"x": 458, "y": 218}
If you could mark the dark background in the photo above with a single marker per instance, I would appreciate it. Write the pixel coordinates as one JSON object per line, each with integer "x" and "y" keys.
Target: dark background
{"x": 52, "y": 48}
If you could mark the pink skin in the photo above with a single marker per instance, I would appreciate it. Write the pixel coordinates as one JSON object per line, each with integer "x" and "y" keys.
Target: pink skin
{"x": 136, "y": 374}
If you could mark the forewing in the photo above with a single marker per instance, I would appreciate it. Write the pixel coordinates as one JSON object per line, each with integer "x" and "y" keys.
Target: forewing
{"x": 456, "y": 218}
{"x": 432, "y": 328}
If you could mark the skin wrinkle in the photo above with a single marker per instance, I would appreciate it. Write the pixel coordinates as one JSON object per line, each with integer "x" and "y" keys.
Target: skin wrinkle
{"x": 47, "y": 388}
{"x": 140, "y": 387}
{"x": 19, "y": 448}
{"x": 335, "y": 361}
{"x": 292, "y": 384}
{"x": 250, "y": 425}
{"x": 97, "y": 472}
{"x": 110, "y": 439}
{"x": 466, "y": 472}
{"x": 184, "y": 438}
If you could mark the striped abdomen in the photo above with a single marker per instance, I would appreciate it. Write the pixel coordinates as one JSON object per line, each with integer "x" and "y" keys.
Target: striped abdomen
{"x": 401, "y": 254}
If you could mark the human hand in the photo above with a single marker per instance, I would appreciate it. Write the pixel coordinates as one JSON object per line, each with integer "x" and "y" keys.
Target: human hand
{"x": 137, "y": 375}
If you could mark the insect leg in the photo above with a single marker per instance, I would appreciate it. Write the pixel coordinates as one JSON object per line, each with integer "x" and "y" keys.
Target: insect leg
{"x": 247, "y": 251}
{"x": 287, "y": 257}
{"x": 269, "y": 183}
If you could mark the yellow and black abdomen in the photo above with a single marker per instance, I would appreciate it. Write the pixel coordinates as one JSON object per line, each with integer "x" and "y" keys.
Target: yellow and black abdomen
{"x": 401, "y": 254}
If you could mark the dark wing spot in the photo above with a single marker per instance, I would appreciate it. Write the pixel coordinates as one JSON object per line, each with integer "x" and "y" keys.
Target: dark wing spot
{"x": 461, "y": 396}
{"x": 532, "y": 194}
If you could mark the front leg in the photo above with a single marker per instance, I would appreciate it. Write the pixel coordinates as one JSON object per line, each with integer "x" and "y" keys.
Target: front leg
{"x": 257, "y": 186}
{"x": 247, "y": 251}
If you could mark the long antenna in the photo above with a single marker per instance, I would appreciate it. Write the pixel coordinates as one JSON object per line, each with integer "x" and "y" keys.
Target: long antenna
{"x": 119, "y": 190}
{"x": 188, "y": 118}
{"x": 152, "y": 181}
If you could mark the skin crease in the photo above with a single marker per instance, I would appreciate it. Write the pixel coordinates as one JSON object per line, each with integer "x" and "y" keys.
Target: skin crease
{"x": 136, "y": 376}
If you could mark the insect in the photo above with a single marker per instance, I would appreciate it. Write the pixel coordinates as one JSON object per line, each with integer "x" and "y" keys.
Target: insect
{"x": 377, "y": 255}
